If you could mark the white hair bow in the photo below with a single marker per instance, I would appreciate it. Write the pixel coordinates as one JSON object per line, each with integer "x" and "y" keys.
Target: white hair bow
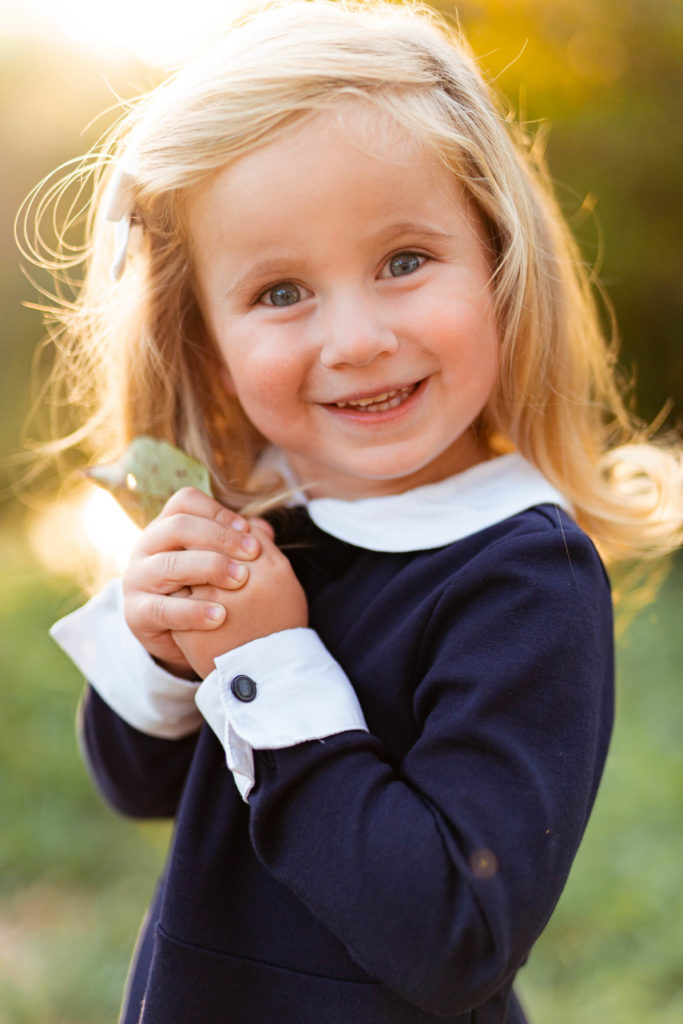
{"x": 119, "y": 207}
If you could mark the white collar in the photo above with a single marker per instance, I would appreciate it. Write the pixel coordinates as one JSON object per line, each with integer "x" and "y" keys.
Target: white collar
{"x": 433, "y": 515}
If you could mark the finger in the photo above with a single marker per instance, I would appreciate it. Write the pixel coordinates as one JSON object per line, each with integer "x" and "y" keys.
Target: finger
{"x": 157, "y": 613}
{"x": 195, "y": 502}
{"x": 167, "y": 571}
{"x": 184, "y": 530}
{"x": 213, "y": 595}
{"x": 264, "y": 526}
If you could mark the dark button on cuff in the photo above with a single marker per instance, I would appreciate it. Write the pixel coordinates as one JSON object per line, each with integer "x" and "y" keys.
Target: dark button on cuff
{"x": 244, "y": 688}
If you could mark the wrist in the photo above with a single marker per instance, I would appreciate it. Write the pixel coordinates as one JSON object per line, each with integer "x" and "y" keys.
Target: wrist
{"x": 176, "y": 668}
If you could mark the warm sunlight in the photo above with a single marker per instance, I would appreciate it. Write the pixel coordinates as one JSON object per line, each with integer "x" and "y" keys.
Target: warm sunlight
{"x": 88, "y": 536}
{"x": 159, "y": 32}
{"x": 108, "y": 528}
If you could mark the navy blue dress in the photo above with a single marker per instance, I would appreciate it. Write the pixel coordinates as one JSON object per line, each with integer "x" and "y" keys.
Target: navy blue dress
{"x": 399, "y": 876}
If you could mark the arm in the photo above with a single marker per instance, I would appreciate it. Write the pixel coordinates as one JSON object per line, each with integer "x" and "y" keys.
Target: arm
{"x": 139, "y": 775}
{"x": 304, "y": 693}
{"x": 439, "y": 874}
{"x": 138, "y": 720}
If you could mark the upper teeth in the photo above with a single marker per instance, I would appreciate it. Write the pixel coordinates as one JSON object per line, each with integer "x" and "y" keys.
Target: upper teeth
{"x": 389, "y": 398}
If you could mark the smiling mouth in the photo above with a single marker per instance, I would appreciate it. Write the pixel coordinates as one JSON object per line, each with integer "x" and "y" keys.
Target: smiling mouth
{"x": 380, "y": 402}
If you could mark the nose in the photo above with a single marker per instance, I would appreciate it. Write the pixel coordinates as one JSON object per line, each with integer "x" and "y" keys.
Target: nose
{"x": 355, "y": 333}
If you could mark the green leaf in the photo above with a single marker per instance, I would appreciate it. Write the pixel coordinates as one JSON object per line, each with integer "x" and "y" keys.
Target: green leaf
{"x": 145, "y": 476}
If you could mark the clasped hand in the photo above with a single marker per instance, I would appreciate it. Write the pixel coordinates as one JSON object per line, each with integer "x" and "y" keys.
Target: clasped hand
{"x": 203, "y": 580}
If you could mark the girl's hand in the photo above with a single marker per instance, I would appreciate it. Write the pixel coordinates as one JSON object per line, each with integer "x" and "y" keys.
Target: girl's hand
{"x": 274, "y": 600}
{"x": 195, "y": 541}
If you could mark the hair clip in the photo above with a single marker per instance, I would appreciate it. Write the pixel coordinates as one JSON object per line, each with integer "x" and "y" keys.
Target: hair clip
{"x": 119, "y": 207}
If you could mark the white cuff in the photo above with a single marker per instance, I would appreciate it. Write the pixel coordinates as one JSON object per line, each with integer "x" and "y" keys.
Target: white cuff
{"x": 97, "y": 639}
{"x": 299, "y": 693}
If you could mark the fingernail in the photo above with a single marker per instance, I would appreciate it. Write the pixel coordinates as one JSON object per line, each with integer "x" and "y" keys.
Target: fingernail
{"x": 238, "y": 571}
{"x": 239, "y": 524}
{"x": 249, "y": 543}
{"x": 216, "y": 612}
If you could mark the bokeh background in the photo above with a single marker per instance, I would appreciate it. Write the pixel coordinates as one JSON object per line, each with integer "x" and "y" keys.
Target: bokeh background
{"x": 604, "y": 81}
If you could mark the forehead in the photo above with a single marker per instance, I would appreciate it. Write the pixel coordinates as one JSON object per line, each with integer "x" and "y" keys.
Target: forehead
{"x": 353, "y": 155}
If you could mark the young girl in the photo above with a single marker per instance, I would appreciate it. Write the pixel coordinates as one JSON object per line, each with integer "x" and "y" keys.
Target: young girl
{"x": 379, "y": 718}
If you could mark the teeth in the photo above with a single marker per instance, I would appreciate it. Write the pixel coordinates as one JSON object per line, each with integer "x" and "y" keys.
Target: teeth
{"x": 373, "y": 401}
{"x": 380, "y": 403}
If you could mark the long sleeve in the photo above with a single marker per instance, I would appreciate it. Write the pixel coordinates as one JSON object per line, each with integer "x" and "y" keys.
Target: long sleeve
{"x": 99, "y": 642}
{"x": 137, "y": 711}
{"x": 437, "y": 869}
{"x": 139, "y": 775}
{"x": 138, "y": 724}
{"x": 301, "y": 694}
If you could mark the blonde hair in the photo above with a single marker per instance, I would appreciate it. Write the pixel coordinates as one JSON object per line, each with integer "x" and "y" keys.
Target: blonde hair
{"x": 137, "y": 358}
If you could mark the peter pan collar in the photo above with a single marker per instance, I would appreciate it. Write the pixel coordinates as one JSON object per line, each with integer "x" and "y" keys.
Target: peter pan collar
{"x": 433, "y": 515}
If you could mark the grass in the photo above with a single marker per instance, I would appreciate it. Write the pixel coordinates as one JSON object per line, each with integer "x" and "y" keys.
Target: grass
{"x": 75, "y": 879}
{"x": 612, "y": 952}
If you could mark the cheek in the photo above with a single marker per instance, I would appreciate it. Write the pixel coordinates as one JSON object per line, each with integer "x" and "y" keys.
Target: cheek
{"x": 465, "y": 335}
{"x": 246, "y": 369}
{"x": 266, "y": 386}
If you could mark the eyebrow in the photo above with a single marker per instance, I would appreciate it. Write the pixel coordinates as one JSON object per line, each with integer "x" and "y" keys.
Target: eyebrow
{"x": 261, "y": 270}
{"x": 411, "y": 228}
{"x": 273, "y": 267}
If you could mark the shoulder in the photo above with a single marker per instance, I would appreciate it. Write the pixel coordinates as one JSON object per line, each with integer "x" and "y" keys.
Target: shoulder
{"x": 542, "y": 545}
{"x": 524, "y": 617}
{"x": 546, "y": 545}
{"x": 538, "y": 524}
{"x": 536, "y": 576}
{"x": 538, "y": 554}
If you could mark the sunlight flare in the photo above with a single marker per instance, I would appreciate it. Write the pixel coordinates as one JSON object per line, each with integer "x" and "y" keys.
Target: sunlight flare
{"x": 88, "y": 536}
{"x": 159, "y": 32}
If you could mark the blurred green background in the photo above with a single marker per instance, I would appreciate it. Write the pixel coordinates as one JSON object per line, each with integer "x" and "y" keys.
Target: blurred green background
{"x": 74, "y": 879}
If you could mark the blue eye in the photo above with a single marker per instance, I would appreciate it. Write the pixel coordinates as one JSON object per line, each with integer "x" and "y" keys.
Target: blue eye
{"x": 405, "y": 263}
{"x": 285, "y": 294}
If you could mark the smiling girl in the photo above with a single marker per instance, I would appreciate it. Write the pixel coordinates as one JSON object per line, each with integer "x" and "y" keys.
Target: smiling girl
{"x": 345, "y": 281}
{"x": 379, "y": 718}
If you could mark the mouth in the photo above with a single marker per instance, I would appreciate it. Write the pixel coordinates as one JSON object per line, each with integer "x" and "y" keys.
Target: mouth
{"x": 380, "y": 402}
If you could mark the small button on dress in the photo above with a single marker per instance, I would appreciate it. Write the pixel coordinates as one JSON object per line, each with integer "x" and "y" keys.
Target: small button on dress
{"x": 244, "y": 688}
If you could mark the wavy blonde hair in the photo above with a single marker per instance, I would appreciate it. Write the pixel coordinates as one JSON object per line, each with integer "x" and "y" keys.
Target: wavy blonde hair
{"x": 135, "y": 355}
